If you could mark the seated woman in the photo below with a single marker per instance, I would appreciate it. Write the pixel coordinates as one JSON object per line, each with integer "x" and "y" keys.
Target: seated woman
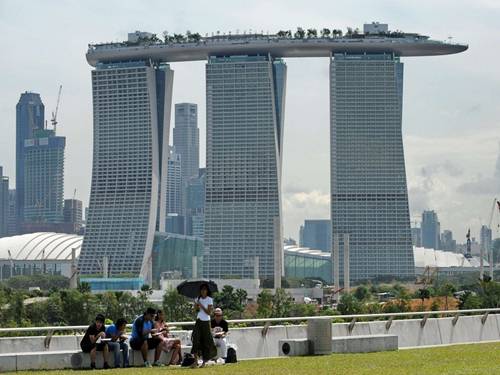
{"x": 168, "y": 344}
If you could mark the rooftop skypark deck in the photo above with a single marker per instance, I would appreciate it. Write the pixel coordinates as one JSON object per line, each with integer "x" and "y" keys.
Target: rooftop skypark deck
{"x": 302, "y": 43}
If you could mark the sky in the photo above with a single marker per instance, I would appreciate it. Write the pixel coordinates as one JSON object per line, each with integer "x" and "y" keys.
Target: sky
{"x": 451, "y": 106}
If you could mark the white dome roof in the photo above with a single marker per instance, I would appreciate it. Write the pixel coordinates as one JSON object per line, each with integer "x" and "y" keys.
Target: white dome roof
{"x": 34, "y": 246}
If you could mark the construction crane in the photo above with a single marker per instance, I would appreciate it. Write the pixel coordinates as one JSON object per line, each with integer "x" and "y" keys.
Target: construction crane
{"x": 53, "y": 120}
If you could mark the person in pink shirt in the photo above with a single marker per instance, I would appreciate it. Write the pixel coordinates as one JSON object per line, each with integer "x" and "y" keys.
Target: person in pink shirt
{"x": 168, "y": 344}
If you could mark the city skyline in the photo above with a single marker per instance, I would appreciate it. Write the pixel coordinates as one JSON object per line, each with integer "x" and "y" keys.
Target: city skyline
{"x": 443, "y": 175}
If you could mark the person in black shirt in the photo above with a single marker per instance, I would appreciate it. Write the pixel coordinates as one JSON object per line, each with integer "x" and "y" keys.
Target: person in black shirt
{"x": 91, "y": 342}
{"x": 219, "y": 331}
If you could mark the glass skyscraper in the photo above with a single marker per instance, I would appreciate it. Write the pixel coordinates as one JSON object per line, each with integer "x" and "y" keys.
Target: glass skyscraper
{"x": 30, "y": 115}
{"x": 369, "y": 199}
{"x": 132, "y": 103}
{"x": 245, "y": 102}
{"x": 44, "y": 178}
{"x": 431, "y": 230}
{"x": 4, "y": 204}
{"x": 186, "y": 139}
{"x": 174, "y": 183}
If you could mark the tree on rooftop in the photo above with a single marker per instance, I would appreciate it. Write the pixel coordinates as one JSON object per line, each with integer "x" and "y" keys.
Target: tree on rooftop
{"x": 312, "y": 33}
{"x": 325, "y": 33}
{"x": 300, "y": 33}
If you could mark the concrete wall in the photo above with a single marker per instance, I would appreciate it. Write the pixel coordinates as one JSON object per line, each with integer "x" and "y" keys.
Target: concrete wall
{"x": 251, "y": 343}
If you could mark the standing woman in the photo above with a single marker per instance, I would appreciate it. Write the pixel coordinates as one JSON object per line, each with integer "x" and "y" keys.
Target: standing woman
{"x": 203, "y": 341}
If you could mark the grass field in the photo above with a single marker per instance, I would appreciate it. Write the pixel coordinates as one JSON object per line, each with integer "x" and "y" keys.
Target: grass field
{"x": 456, "y": 360}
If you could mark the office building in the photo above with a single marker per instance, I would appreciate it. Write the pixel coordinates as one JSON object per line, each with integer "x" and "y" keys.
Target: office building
{"x": 369, "y": 199}
{"x": 174, "y": 183}
{"x": 317, "y": 235}
{"x": 245, "y": 98}
{"x": 72, "y": 213}
{"x": 447, "y": 242}
{"x": 4, "y": 204}
{"x": 132, "y": 102}
{"x": 485, "y": 241}
{"x": 416, "y": 236}
{"x": 186, "y": 140}
{"x": 43, "y": 178}
{"x": 13, "y": 227}
{"x": 195, "y": 205}
{"x": 431, "y": 229}
{"x": 30, "y": 116}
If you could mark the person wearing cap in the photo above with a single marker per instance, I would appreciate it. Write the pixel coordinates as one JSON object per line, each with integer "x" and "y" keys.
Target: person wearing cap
{"x": 142, "y": 339}
{"x": 219, "y": 331}
{"x": 91, "y": 341}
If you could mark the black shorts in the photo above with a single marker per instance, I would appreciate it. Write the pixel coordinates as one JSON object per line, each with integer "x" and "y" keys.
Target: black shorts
{"x": 136, "y": 343}
{"x": 88, "y": 346}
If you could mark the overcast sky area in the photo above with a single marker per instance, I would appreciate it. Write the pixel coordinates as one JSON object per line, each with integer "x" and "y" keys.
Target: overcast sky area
{"x": 451, "y": 110}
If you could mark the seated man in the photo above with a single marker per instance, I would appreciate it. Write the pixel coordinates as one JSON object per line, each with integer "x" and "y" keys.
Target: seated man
{"x": 219, "y": 331}
{"x": 91, "y": 342}
{"x": 141, "y": 337}
{"x": 116, "y": 332}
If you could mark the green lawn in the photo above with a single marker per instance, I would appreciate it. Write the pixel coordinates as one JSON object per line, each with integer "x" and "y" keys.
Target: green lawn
{"x": 459, "y": 359}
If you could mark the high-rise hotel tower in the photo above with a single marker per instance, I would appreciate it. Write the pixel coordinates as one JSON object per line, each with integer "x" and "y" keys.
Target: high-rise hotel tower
{"x": 132, "y": 103}
{"x": 369, "y": 199}
{"x": 245, "y": 101}
{"x": 245, "y": 90}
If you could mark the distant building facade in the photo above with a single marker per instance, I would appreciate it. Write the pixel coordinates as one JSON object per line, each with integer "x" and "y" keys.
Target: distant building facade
{"x": 174, "y": 183}
{"x": 195, "y": 205}
{"x": 486, "y": 239}
{"x": 12, "y": 224}
{"x": 317, "y": 235}
{"x": 4, "y": 204}
{"x": 447, "y": 242}
{"x": 186, "y": 140}
{"x": 43, "y": 178}
{"x": 431, "y": 230}
{"x": 30, "y": 116}
{"x": 72, "y": 212}
{"x": 416, "y": 236}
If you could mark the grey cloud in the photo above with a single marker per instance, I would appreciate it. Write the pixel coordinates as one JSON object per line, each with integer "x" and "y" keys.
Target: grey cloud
{"x": 446, "y": 167}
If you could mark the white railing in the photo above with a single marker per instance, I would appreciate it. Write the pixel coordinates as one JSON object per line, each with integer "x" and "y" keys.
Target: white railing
{"x": 267, "y": 321}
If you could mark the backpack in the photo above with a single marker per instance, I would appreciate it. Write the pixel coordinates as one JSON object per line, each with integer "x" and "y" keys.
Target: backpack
{"x": 231, "y": 356}
{"x": 188, "y": 360}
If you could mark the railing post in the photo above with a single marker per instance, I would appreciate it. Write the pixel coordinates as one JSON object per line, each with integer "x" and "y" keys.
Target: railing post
{"x": 423, "y": 321}
{"x": 47, "y": 339}
{"x": 265, "y": 329}
{"x": 351, "y": 324}
{"x": 484, "y": 317}
{"x": 389, "y": 323}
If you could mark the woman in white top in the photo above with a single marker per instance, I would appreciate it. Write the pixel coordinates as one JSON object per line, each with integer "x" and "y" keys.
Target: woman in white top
{"x": 202, "y": 339}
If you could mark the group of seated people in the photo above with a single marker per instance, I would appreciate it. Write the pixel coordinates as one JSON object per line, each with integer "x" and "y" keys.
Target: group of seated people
{"x": 149, "y": 331}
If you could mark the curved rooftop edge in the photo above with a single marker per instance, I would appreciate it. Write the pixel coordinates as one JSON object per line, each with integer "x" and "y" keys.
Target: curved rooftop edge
{"x": 40, "y": 246}
{"x": 276, "y": 47}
